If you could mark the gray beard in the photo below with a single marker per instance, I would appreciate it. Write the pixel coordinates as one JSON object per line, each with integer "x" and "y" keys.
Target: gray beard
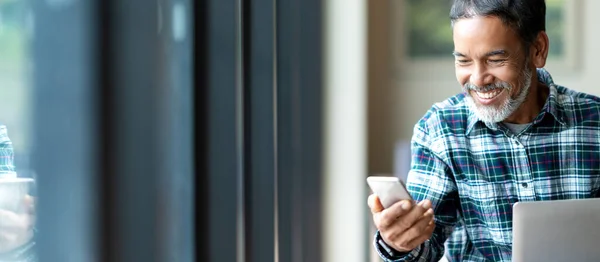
{"x": 492, "y": 113}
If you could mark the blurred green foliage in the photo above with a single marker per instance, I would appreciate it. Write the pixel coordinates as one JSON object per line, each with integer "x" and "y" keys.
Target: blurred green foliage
{"x": 13, "y": 47}
{"x": 14, "y": 72}
{"x": 430, "y": 34}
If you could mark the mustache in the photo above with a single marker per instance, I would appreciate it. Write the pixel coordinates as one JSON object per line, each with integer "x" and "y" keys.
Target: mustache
{"x": 469, "y": 86}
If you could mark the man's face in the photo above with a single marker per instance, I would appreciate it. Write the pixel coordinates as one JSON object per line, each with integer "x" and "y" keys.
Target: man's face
{"x": 492, "y": 67}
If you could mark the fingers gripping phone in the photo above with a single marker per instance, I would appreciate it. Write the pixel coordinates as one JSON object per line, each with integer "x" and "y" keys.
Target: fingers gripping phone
{"x": 389, "y": 189}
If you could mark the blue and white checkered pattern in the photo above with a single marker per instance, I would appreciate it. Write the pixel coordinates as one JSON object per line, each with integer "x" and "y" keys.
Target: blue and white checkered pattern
{"x": 7, "y": 168}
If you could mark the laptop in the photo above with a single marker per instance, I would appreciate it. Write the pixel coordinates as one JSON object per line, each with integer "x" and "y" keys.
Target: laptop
{"x": 558, "y": 230}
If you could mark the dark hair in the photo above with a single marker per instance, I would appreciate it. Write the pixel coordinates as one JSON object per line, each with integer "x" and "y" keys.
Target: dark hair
{"x": 526, "y": 17}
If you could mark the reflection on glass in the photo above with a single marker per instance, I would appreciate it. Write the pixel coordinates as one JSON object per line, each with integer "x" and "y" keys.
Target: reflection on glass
{"x": 429, "y": 31}
{"x": 17, "y": 198}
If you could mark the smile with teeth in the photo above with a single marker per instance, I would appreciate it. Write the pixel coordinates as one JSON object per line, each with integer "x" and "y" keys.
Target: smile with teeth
{"x": 489, "y": 94}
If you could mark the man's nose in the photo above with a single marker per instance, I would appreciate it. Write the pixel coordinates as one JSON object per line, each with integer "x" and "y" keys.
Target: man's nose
{"x": 480, "y": 77}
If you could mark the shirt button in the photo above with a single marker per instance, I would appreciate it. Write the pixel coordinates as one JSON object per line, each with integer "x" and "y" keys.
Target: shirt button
{"x": 524, "y": 185}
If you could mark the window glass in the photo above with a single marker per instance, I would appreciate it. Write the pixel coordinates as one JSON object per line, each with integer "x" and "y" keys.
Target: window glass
{"x": 17, "y": 187}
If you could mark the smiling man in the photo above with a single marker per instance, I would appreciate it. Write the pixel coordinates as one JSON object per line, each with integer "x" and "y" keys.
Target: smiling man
{"x": 512, "y": 135}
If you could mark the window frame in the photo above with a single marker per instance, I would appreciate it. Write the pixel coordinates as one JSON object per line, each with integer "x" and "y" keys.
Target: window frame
{"x": 111, "y": 182}
{"x": 257, "y": 131}
{"x": 258, "y": 67}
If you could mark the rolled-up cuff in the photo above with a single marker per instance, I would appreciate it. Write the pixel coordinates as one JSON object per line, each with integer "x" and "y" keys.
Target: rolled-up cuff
{"x": 389, "y": 254}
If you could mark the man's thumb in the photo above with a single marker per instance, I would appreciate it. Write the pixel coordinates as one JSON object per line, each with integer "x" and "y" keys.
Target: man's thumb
{"x": 375, "y": 204}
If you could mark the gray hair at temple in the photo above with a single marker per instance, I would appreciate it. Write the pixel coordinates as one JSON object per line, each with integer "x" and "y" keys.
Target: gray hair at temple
{"x": 526, "y": 17}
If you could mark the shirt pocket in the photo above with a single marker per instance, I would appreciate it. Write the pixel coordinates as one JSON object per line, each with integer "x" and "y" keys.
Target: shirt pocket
{"x": 487, "y": 209}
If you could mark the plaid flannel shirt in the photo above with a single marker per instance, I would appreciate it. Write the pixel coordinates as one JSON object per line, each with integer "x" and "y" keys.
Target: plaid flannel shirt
{"x": 473, "y": 173}
{"x": 7, "y": 168}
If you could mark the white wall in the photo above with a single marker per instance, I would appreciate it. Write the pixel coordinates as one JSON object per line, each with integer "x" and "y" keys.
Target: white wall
{"x": 590, "y": 53}
{"x": 345, "y": 208}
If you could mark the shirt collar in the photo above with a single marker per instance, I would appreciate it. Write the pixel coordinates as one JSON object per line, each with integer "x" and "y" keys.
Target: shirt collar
{"x": 551, "y": 107}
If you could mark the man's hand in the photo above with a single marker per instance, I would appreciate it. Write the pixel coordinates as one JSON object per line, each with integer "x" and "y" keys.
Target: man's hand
{"x": 404, "y": 225}
{"x": 16, "y": 228}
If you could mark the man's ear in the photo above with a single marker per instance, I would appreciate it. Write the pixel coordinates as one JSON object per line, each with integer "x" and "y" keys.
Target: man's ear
{"x": 539, "y": 50}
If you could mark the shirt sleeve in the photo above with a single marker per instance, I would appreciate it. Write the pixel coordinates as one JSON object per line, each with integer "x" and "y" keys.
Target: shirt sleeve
{"x": 389, "y": 254}
{"x": 429, "y": 178}
{"x": 7, "y": 167}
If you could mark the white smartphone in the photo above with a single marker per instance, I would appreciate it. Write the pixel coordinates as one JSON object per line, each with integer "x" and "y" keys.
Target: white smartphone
{"x": 389, "y": 189}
